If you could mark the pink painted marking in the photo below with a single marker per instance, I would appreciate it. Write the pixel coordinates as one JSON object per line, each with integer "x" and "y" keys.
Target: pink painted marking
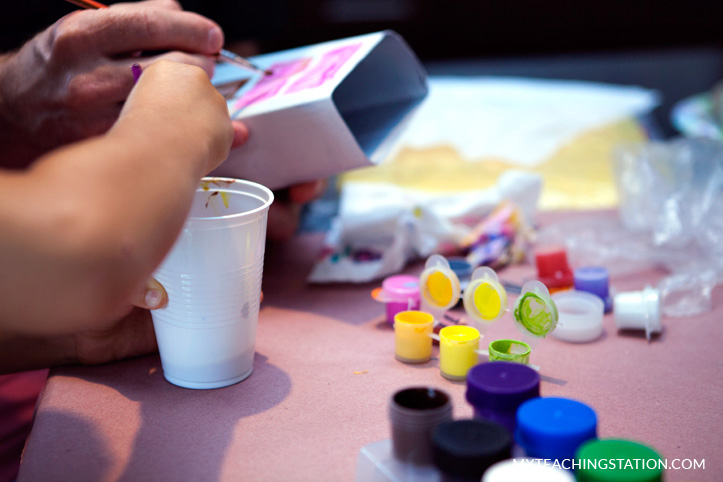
{"x": 270, "y": 85}
{"x": 328, "y": 66}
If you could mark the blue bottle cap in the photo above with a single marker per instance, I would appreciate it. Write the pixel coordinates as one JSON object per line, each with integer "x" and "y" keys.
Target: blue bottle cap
{"x": 553, "y": 428}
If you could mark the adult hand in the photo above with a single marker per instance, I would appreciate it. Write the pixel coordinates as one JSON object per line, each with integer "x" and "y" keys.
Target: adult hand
{"x": 70, "y": 81}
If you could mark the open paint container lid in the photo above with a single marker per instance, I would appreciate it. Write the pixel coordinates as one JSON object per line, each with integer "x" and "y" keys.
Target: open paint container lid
{"x": 485, "y": 299}
{"x": 581, "y": 316}
{"x": 439, "y": 285}
{"x": 535, "y": 313}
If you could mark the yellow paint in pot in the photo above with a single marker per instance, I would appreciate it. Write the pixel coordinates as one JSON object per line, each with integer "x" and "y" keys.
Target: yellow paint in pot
{"x": 439, "y": 288}
{"x": 412, "y": 343}
{"x": 487, "y": 301}
{"x": 458, "y": 347}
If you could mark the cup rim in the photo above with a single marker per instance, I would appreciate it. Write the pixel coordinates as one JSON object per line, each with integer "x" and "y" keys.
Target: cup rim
{"x": 234, "y": 181}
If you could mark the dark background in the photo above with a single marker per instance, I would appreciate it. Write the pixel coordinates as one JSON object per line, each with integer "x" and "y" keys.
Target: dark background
{"x": 438, "y": 29}
{"x": 675, "y": 47}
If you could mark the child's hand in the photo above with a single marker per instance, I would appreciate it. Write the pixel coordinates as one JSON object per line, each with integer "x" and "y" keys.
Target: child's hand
{"x": 132, "y": 335}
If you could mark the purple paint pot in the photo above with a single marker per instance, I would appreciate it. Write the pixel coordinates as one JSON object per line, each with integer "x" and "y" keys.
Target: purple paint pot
{"x": 595, "y": 280}
{"x": 496, "y": 389}
{"x": 400, "y": 293}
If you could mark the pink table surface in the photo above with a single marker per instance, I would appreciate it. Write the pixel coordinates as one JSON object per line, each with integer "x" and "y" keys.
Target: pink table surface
{"x": 323, "y": 374}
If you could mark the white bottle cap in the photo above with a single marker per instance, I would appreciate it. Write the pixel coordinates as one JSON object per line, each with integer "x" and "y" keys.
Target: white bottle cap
{"x": 518, "y": 470}
{"x": 638, "y": 310}
{"x": 581, "y": 316}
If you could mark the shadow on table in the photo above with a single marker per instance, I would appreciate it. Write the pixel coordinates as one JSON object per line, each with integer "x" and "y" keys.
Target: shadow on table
{"x": 184, "y": 434}
{"x": 88, "y": 460}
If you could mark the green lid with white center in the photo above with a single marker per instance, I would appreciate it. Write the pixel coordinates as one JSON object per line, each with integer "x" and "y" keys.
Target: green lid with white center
{"x": 615, "y": 460}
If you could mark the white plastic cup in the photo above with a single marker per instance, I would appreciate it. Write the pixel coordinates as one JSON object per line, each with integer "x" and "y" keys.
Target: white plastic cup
{"x": 638, "y": 310}
{"x": 206, "y": 333}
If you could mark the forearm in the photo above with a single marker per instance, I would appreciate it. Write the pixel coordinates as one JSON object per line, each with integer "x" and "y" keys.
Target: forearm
{"x": 88, "y": 223}
{"x": 21, "y": 352}
{"x": 114, "y": 206}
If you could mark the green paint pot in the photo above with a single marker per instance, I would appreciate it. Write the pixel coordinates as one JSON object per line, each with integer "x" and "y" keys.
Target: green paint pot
{"x": 510, "y": 351}
{"x": 615, "y": 460}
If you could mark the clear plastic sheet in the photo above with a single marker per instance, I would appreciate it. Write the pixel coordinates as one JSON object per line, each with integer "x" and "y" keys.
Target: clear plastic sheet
{"x": 671, "y": 216}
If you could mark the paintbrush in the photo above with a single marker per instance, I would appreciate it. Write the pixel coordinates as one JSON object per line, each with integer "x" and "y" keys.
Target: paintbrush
{"x": 223, "y": 55}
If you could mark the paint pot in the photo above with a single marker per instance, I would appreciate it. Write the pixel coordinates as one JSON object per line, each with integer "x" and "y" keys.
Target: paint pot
{"x": 535, "y": 313}
{"x": 554, "y": 428}
{"x": 412, "y": 343}
{"x": 497, "y": 389}
{"x": 458, "y": 347}
{"x": 414, "y": 413}
{"x": 581, "y": 316}
{"x": 552, "y": 268}
{"x": 398, "y": 293}
{"x": 595, "y": 280}
{"x": 510, "y": 351}
{"x": 612, "y": 460}
{"x": 485, "y": 299}
{"x": 638, "y": 310}
{"x": 464, "y": 449}
{"x": 439, "y": 286}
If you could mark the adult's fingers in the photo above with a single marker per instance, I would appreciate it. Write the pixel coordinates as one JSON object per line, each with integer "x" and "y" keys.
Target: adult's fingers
{"x": 111, "y": 82}
{"x": 164, "y": 4}
{"x": 208, "y": 64}
{"x": 114, "y": 31}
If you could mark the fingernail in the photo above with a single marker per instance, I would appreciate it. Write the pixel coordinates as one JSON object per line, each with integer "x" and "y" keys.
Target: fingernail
{"x": 152, "y": 299}
{"x": 215, "y": 40}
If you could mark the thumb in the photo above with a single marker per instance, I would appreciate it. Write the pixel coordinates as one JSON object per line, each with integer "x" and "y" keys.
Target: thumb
{"x": 152, "y": 296}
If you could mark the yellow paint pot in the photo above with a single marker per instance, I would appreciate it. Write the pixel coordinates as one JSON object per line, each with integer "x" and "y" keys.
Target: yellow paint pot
{"x": 412, "y": 343}
{"x": 458, "y": 347}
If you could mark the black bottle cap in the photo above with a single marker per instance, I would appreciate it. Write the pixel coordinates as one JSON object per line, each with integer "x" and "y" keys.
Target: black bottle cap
{"x": 466, "y": 448}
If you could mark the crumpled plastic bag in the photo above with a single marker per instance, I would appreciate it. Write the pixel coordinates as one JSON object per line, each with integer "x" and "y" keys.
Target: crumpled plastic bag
{"x": 671, "y": 216}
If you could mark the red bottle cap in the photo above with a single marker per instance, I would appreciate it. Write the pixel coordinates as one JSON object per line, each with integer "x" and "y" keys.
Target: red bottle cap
{"x": 552, "y": 267}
